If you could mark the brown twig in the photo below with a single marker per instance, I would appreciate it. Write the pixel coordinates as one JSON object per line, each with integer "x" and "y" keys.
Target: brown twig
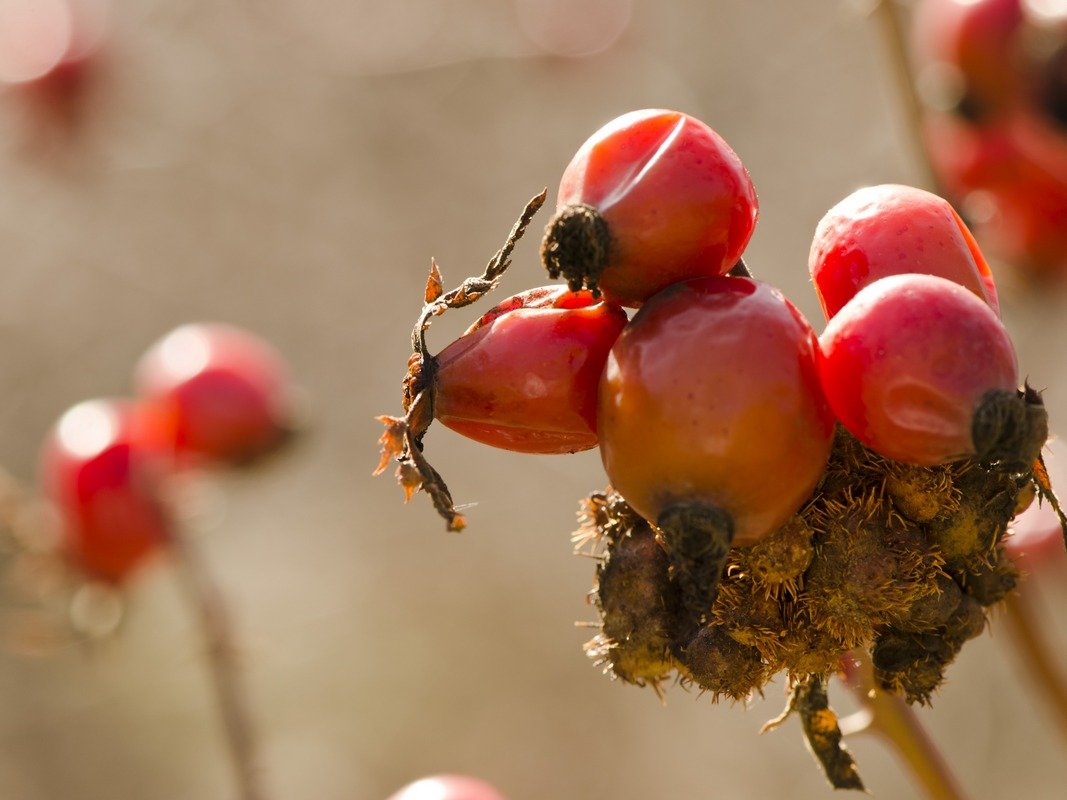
{"x": 888, "y": 18}
{"x": 892, "y": 719}
{"x": 204, "y": 595}
{"x": 402, "y": 440}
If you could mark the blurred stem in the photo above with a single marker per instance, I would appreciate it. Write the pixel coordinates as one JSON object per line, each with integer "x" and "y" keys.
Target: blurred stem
{"x": 888, "y": 18}
{"x": 204, "y": 594}
{"x": 1035, "y": 654}
{"x": 892, "y": 719}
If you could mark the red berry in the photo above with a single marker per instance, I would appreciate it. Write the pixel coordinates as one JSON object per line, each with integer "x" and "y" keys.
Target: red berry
{"x": 652, "y": 198}
{"x": 711, "y": 396}
{"x": 216, "y": 392}
{"x": 524, "y": 377}
{"x": 888, "y": 230}
{"x": 907, "y": 363}
{"x": 104, "y": 484}
{"x": 448, "y": 787}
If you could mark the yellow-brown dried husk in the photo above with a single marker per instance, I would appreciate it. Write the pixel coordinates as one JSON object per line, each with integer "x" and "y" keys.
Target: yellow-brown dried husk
{"x": 634, "y": 595}
{"x": 720, "y": 665}
{"x": 921, "y": 493}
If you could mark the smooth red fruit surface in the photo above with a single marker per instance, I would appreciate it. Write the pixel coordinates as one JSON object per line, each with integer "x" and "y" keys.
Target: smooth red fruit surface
{"x": 889, "y": 230}
{"x": 104, "y": 485}
{"x": 905, "y": 363}
{"x": 448, "y": 787}
{"x": 677, "y": 201}
{"x": 524, "y": 377}
{"x": 217, "y": 392}
{"x": 711, "y": 395}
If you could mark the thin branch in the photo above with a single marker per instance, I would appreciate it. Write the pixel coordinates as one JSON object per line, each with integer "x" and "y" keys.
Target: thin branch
{"x": 207, "y": 600}
{"x": 893, "y": 720}
{"x": 892, "y": 29}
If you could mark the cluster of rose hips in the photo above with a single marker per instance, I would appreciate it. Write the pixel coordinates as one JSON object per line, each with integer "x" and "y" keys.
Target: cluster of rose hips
{"x": 993, "y": 76}
{"x": 777, "y": 498}
{"x": 206, "y": 394}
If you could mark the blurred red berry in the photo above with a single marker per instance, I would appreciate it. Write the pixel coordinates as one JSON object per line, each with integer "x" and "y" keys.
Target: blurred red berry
{"x": 48, "y": 54}
{"x": 448, "y": 787}
{"x": 104, "y": 483}
{"x": 215, "y": 392}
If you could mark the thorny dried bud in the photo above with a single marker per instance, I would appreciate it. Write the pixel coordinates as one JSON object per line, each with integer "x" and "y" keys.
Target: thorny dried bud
{"x": 720, "y": 665}
{"x": 921, "y": 493}
{"x": 900, "y": 559}
{"x": 634, "y": 594}
{"x": 871, "y": 566}
{"x": 781, "y": 559}
{"x": 991, "y": 581}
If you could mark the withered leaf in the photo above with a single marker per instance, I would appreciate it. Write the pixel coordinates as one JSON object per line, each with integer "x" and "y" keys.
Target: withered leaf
{"x": 434, "y": 287}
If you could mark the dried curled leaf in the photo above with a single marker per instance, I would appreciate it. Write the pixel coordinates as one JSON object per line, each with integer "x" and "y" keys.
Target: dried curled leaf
{"x": 821, "y": 732}
{"x": 402, "y": 439}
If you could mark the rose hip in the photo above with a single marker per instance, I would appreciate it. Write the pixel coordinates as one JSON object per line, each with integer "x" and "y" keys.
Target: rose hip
{"x": 524, "y": 377}
{"x": 652, "y": 198}
{"x": 921, "y": 371}
{"x": 888, "y": 230}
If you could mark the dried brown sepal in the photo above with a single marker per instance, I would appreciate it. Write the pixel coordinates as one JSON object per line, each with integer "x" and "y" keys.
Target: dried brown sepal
{"x": 402, "y": 440}
{"x": 696, "y": 537}
{"x": 576, "y": 247}
{"x": 1010, "y": 427}
{"x": 434, "y": 285}
{"x": 809, "y": 701}
{"x": 1043, "y": 486}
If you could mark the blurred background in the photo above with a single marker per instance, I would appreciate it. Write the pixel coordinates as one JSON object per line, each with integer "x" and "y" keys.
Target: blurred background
{"x": 290, "y": 166}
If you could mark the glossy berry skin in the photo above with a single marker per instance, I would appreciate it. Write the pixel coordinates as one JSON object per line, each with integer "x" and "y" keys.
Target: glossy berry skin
{"x": 216, "y": 393}
{"x": 524, "y": 377}
{"x": 888, "y": 230}
{"x": 711, "y": 396}
{"x": 906, "y": 362}
{"x": 104, "y": 484}
{"x": 448, "y": 787}
{"x": 676, "y": 200}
